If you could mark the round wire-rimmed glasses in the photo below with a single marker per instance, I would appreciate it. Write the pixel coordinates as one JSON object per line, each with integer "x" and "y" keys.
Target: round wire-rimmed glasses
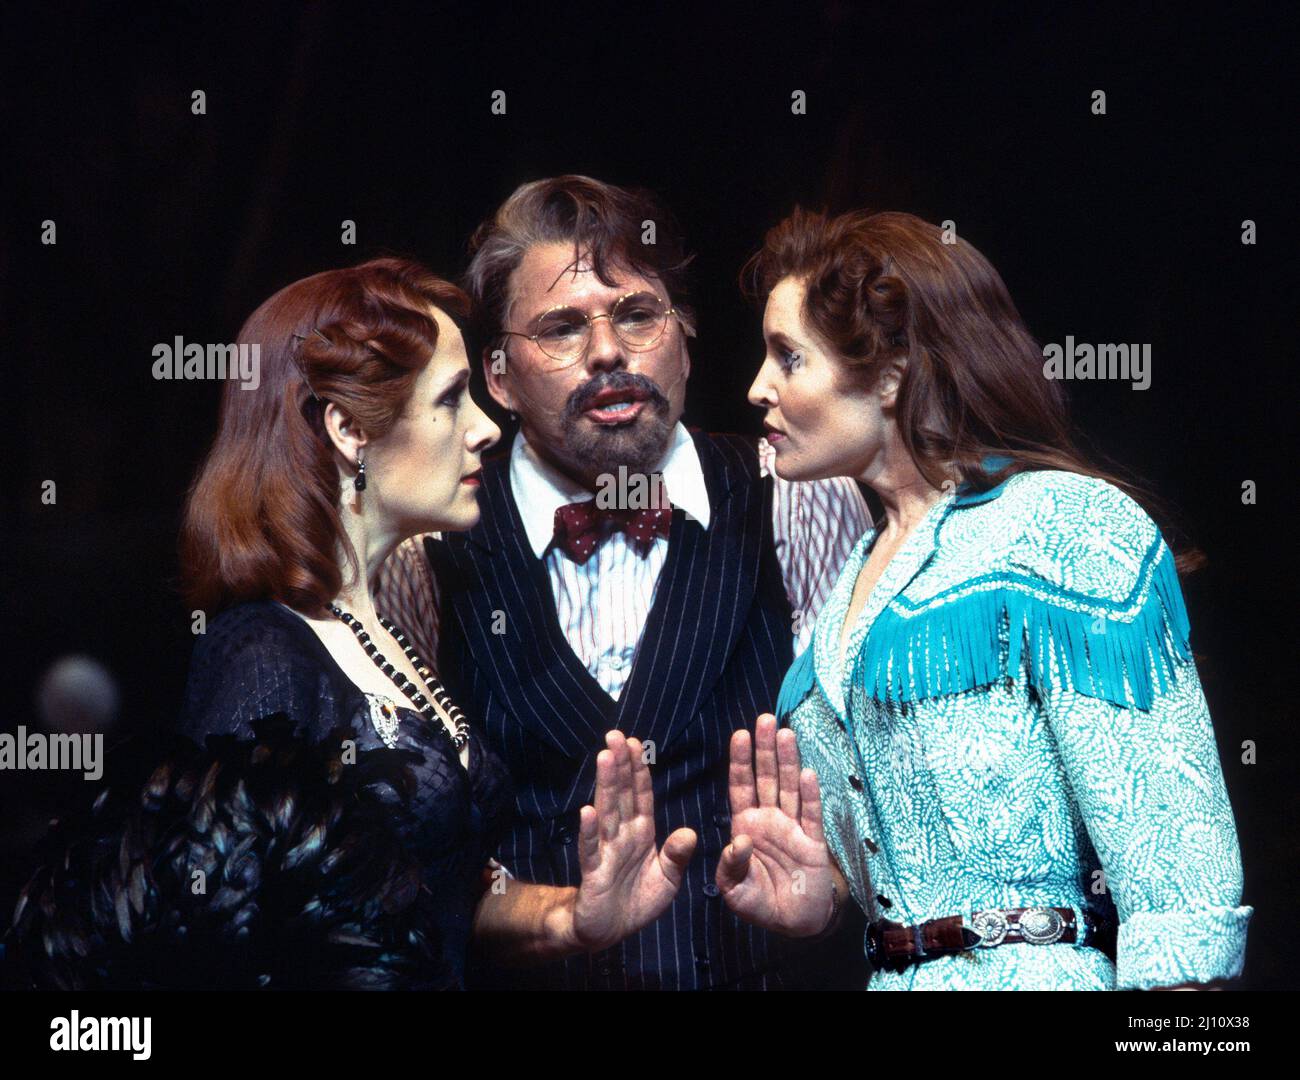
{"x": 563, "y": 333}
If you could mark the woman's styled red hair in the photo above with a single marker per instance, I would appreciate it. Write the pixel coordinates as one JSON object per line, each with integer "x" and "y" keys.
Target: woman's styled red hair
{"x": 262, "y": 519}
{"x": 888, "y": 285}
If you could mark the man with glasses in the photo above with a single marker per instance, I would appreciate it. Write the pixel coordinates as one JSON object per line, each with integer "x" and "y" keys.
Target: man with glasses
{"x": 626, "y": 573}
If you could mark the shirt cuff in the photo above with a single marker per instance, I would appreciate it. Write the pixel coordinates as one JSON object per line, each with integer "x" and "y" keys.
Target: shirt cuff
{"x": 1168, "y": 948}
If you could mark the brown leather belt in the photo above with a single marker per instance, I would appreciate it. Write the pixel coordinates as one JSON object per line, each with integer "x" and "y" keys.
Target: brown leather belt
{"x": 894, "y": 945}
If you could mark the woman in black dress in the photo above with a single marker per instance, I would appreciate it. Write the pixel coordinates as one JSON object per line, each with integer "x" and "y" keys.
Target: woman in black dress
{"x": 360, "y": 433}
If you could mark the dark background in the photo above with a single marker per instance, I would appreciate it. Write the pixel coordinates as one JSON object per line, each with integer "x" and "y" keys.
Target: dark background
{"x": 1117, "y": 228}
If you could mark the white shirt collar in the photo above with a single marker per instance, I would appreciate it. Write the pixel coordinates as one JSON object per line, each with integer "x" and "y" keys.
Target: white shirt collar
{"x": 540, "y": 489}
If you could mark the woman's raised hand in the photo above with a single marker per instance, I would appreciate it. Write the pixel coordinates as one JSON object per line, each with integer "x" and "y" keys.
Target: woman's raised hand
{"x": 776, "y": 872}
{"x": 626, "y": 881}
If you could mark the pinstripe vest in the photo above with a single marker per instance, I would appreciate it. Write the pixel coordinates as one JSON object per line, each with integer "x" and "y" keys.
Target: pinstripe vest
{"x": 715, "y": 647}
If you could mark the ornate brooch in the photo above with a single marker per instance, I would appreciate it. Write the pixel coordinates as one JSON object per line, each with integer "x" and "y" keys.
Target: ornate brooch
{"x": 384, "y": 718}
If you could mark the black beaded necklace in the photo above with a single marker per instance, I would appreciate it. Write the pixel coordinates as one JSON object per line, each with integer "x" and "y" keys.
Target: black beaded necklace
{"x": 422, "y": 703}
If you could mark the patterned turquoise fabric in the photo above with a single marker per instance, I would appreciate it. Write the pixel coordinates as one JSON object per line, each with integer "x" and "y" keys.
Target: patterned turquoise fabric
{"x": 1020, "y": 723}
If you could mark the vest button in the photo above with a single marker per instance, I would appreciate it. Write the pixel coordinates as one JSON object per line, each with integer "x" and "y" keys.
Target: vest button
{"x": 855, "y": 783}
{"x": 711, "y": 890}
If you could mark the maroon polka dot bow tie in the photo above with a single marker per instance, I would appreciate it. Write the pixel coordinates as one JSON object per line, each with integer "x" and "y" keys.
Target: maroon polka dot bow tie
{"x": 579, "y": 527}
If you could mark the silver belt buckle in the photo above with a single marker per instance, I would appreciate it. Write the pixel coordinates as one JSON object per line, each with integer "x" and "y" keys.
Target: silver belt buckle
{"x": 1041, "y": 925}
{"x": 992, "y": 927}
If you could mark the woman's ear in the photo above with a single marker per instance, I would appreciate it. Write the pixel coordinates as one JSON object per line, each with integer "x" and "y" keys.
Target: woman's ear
{"x": 344, "y": 432}
{"x": 889, "y": 379}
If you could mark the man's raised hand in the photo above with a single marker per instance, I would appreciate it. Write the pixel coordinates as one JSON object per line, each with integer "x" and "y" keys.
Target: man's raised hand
{"x": 776, "y": 872}
{"x": 626, "y": 881}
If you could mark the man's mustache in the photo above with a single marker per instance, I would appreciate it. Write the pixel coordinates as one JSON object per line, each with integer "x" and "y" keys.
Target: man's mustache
{"x": 581, "y": 398}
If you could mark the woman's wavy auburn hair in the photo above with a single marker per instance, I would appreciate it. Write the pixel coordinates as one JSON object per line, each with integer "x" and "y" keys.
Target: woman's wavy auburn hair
{"x": 262, "y": 517}
{"x": 884, "y": 286}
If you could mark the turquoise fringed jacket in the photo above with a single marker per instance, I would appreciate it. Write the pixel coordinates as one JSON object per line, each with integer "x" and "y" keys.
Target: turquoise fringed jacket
{"x": 1019, "y": 722}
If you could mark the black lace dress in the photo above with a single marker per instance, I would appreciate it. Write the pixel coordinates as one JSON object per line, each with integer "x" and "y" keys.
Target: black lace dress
{"x": 259, "y": 658}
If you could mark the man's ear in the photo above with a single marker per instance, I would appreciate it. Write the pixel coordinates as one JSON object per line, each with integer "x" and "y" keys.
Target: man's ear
{"x": 494, "y": 371}
{"x": 344, "y": 432}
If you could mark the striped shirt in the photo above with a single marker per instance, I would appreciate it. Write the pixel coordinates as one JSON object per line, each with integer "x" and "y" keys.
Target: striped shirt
{"x": 603, "y": 604}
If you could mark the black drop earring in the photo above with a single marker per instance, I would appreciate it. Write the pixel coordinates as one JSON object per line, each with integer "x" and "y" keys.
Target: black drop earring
{"x": 360, "y": 482}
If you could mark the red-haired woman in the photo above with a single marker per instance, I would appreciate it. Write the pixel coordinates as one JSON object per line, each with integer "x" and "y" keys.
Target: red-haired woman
{"x": 361, "y": 433}
{"x": 1000, "y": 700}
